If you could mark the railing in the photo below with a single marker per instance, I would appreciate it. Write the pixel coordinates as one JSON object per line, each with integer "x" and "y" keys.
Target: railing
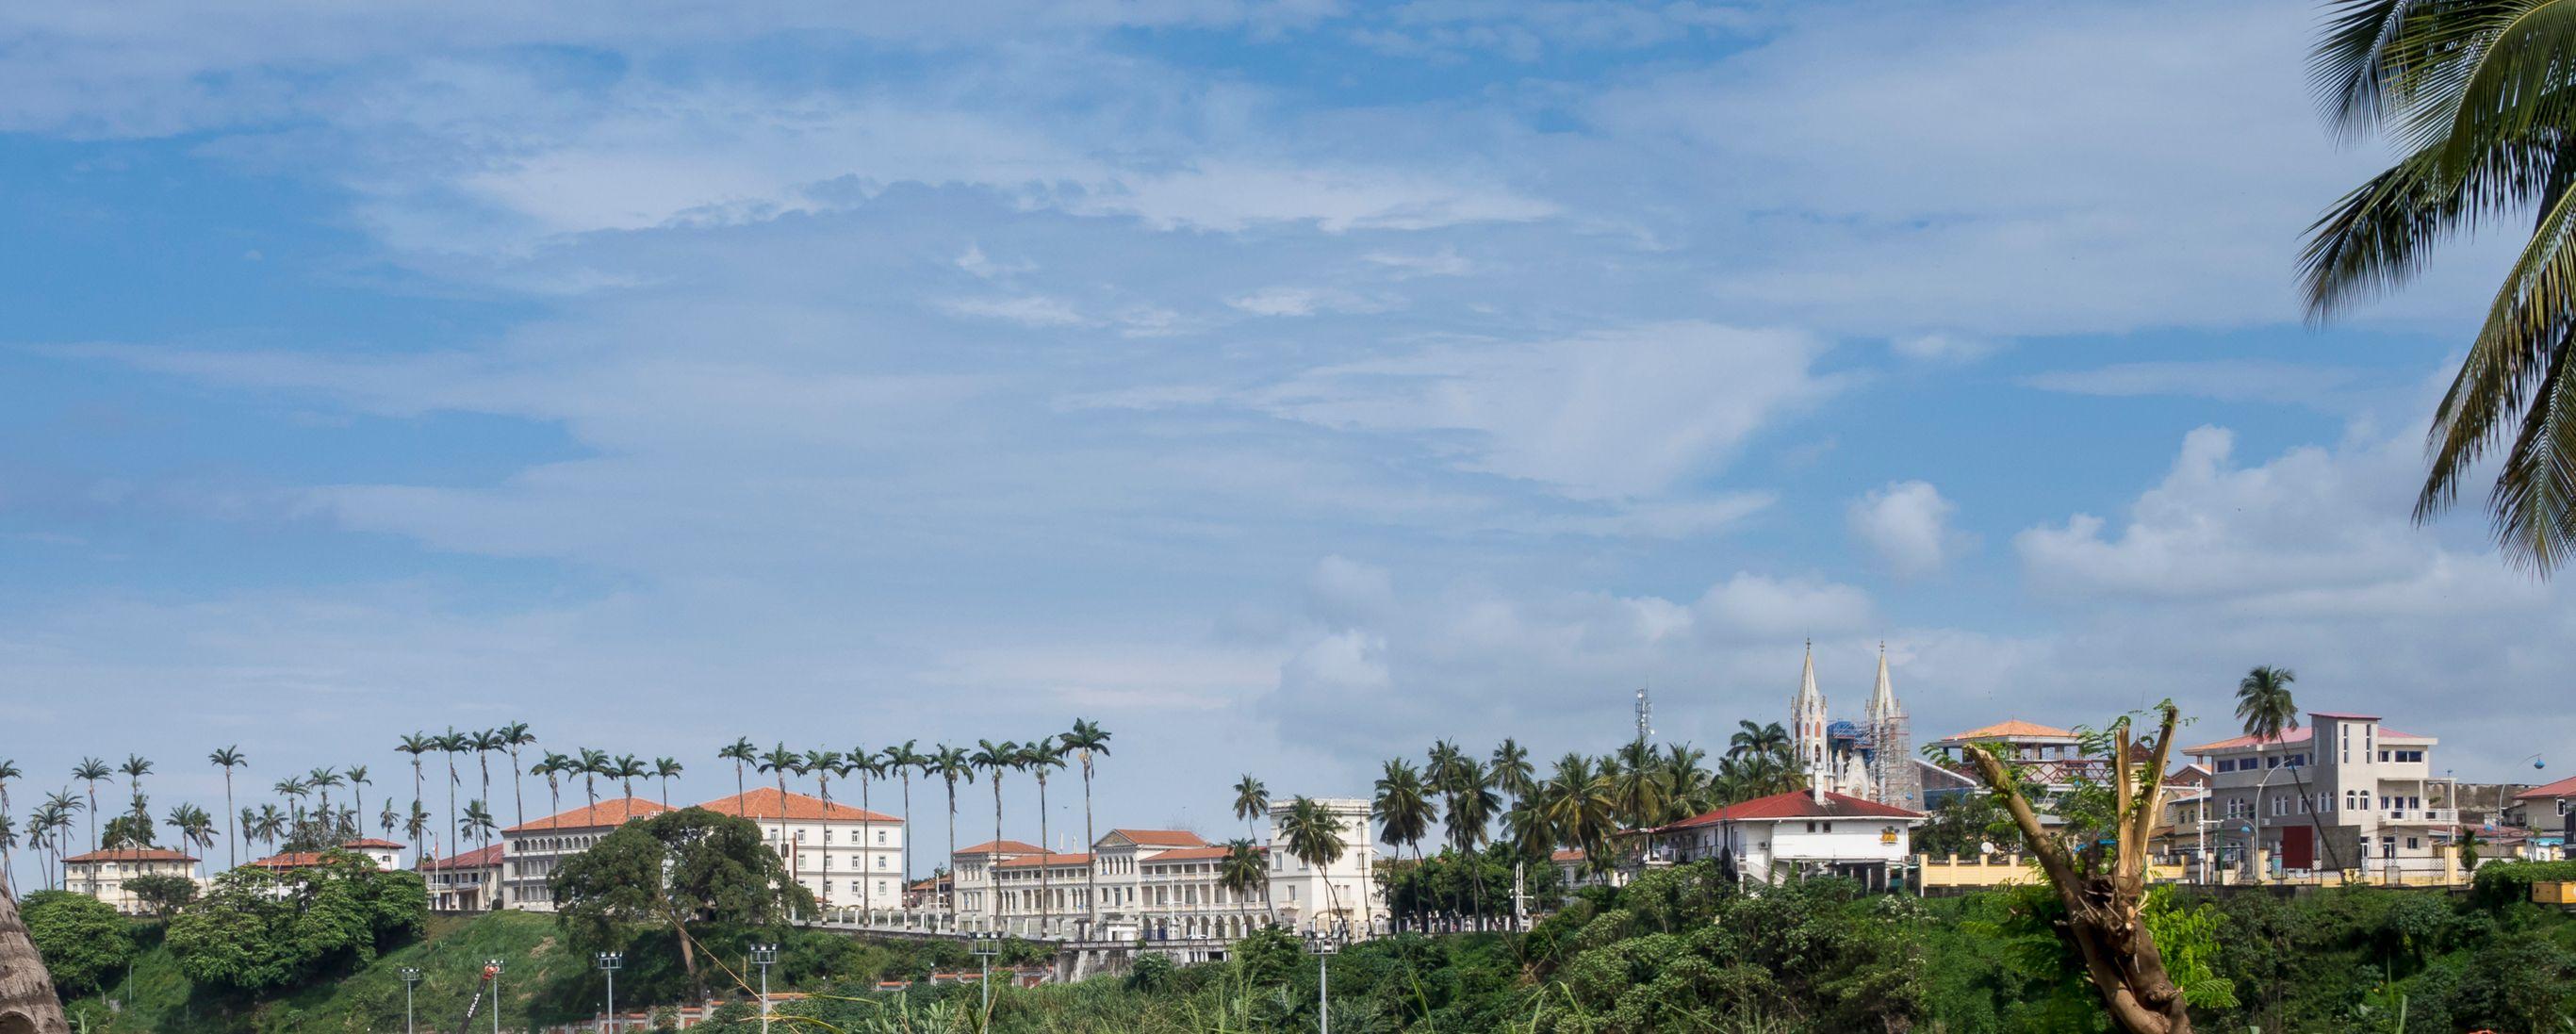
{"x": 2435, "y": 816}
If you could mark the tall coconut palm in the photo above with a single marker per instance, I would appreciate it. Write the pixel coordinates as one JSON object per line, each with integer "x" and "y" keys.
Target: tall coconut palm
{"x": 1640, "y": 784}
{"x": 2265, "y": 706}
{"x": 1314, "y": 836}
{"x": 194, "y": 828}
{"x": 952, "y": 764}
{"x": 514, "y": 736}
{"x": 666, "y": 769}
{"x": 1513, "y": 774}
{"x": 2475, "y": 95}
{"x": 1403, "y": 806}
{"x": 741, "y": 753}
{"x": 1581, "y": 807}
{"x": 320, "y": 781}
{"x": 293, "y": 790}
{"x": 8, "y": 854}
{"x": 226, "y": 758}
{"x": 784, "y": 762}
{"x": 554, "y": 767}
{"x": 389, "y": 818}
{"x": 1441, "y": 773}
{"x": 1040, "y": 757}
{"x": 1688, "y": 788}
{"x": 995, "y": 759}
{"x": 485, "y": 743}
{"x": 1244, "y": 871}
{"x": 626, "y": 769}
{"x": 823, "y": 765}
{"x": 1758, "y": 740}
{"x": 591, "y": 765}
{"x": 902, "y": 760}
{"x": 1251, "y": 801}
{"x": 867, "y": 767}
{"x": 136, "y": 766}
{"x": 416, "y": 825}
{"x": 453, "y": 743}
{"x": 479, "y": 823}
{"x": 416, "y": 745}
{"x": 55, "y": 819}
{"x": 356, "y": 776}
{"x": 1473, "y": 805}
{"x": 272, "y": 825}
{"x": 93, "y": 771}
{"x": 1087, "y": 739}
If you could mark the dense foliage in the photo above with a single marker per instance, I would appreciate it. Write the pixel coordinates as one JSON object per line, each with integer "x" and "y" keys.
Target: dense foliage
{"x": 1455, "y": 884}
{"x": 258, "y": 930}
{"x": 692, "y": 872}
{"x": 83, "y": 940}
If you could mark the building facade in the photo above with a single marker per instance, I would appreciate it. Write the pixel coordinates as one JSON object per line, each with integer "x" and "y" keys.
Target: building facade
{"x": 848, "y": 858}
{"x": 470, "y": 882}
{"x": 103, "y": 874}
{"x": 2345, "y": 794}
{"x": 531, "y": 851}
{"x": 1872, "y": 759}
{"x": 1790, "y": 835}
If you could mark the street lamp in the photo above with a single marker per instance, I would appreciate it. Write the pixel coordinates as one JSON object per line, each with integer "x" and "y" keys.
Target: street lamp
{"x": 1322, "y": 947}
{"x": 764, "y": 956}
{"x": 410, "y": 976}
{"x": 609, "y": 962}
{"x": 985, "y": 946}
{"x": 492, "y": 968}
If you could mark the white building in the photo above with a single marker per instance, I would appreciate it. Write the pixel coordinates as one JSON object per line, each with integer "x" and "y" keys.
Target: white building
{"x": 102, "y": 874}
{"x": 2343, "y": 794}
{"x": 1800, "y": 833}
{"x": 972, "y": 877}
{"x": 533, "y": 850}
{"x": 385, "y": 853}
{"x": 847, "y": 857}
{"x": 470, "y": 882}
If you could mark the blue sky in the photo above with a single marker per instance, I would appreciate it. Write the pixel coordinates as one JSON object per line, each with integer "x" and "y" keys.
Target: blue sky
{"x": 1283, "y": 386}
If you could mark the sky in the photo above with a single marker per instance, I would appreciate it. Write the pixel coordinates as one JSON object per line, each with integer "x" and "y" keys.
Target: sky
{"x": 1283, "y": 386}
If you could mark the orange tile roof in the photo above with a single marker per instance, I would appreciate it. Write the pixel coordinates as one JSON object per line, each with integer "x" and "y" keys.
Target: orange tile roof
{"x": 1162, "y": 837}
{"x": 133, "y": 854}
{"x": 373, "y": 842}
{"x": 474, "y": 859}
{"x": 606, "y": 814}
{"x": 762, "y": 804}
{"x": 1000, "y": 847}
{"x": 2015, "y": 728}
{"x": 289, "y": 860}
{"x": 1567, "y": 855}
{"x": 1192, "y": 854}
{"x": 1798, "y": 804}
{"x": 2234, "y": 742}
{"x": 1049, "y": 860}
{"x": 2562, "y": 788}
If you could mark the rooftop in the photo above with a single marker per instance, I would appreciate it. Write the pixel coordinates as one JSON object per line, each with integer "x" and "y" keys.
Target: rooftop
{"x": 607, "y": 814}
{"x": 133, "y": 854}
{"x": 2016, "y": 729}
{"x": 1194, "y": 854}
{"x": 762, "y": 804}
{"x": 474, "y": 859}
{"x": 1051, "y": 861}
{"x": 369, "y": 842}
{"x": 1000, "y": 847}
{"x": 1162, "y": 837}
{"x": 2562, "y": 788}
{"x": 1798, "y": 804}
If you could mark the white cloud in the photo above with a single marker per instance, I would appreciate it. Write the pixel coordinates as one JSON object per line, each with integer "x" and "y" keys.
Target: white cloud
{"x": 1025, "y": 310}
{"x": 1305, "y": 301}
{"x": 1907, "y": 523}
{"x": 1943, "y": 348}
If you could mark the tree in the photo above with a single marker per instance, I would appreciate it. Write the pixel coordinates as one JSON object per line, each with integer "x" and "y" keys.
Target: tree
{"x": 741, "y": 753}
{"x": 591, "y": 765}
{"x": 194, "y": 827}
{"x": 321, "y": 780}
{"x": 2104, "y": 897}
{"x": 226, "y": 758}
{"x": 952, "y": 765}
{"x": 1580, "y": 809}
{"x": 782, "y": 761}
{"x": 479, "y": 822}
{"x": 554, "y": 767}
{"x": 136, "y": 766}
{"x": 692, "y": 871}
{"x": 8, "y": 859}
{"x": 626, "y": 769}
{"x": 257, "y": 930}
{"x": 163, "y": 896}
{"x": 1755, "y": 739}
{"x": 452, "y": 743}
{"x": 1962, "y": 825}
{"x": 82, "y": 939}
{"x": 514, "y": 736}
{"x": 1314, "y": 837}
{"x": 91, "y": 771}
{"x": 8, "y": 856}
{"x": 1244, "y": 871}
{"x": 1040, "y": 757}
{"x": 2476, "y": 95}
{"x": 1513, "y": 774}
{"x": 2263, "y": 703}
{"x": 902, "y": 760}
{"x": 357, "y": 778}
{"x": 994, "y": 759}
{"x": 129, "y": 831}
{"x": 1251, "y": 801}
{"x": 1085, "y": 740}
{"x": 1403, "y": 806}
{"x": 416, "y": 745}
{"x": 666, "y": 769}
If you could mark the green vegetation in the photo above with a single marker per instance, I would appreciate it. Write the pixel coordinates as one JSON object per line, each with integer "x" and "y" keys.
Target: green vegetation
{"x": 258, "y": 929}
{"x": 84, "y": 941}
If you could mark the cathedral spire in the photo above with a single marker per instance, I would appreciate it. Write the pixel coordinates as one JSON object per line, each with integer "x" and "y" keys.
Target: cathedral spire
{"x": 1809, "y": 748}
{"x": 1882, "y": 698}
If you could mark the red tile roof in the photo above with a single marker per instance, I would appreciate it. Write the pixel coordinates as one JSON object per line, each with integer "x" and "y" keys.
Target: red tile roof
{"x": 372, "y": 842}
{"x": 762, "y": 804}
{"x": 1000, "y": 847}
{"x": 2016, "y": 729}
{"x": 1049, "y": 860}
{"x": 133, "y": 854}
{"x": 289, "y": 860}
{"x": 607, "y": 814}
{"x": 1574, "y": 854}
{"x": 2562, "y": 788}
{"x": 1193, "y": 854}
{"x": 1798, "y": 804}
{"x": 2237, "y": 742}
{"x": 474, "y": 859}
{"x": 1162, "y": 837}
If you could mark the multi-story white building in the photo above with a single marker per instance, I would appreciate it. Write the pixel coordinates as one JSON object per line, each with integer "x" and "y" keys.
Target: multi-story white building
{"x": 973, "y": 877}
{"x": 385, "y": 853}
{"x": 1786, "y": 835}
{"x": 102, "y": 874}
{"x": 1341, "y": 894}
{"x": 847, "y": 857}
{"x": 533, "y": 850}
{"x": 2343, "y": 794}
{"x": 470, "y": 882}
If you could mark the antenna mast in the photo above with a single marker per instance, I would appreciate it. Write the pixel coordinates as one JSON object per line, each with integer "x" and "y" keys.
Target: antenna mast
{"x": 1645, "y": 716}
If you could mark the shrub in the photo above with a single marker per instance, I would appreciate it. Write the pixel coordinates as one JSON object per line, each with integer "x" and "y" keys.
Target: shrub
{"x": 82, "y": 938}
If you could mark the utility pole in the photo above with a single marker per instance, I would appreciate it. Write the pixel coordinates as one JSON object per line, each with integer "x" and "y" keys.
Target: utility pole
{"x": 410, "y": 976}
{"x": 764, "y": 956}
{"x": 1322, "y": 947}
{"x": 493, "y": 966}
{"x": 1645, "y": 716}
{"x": 985, "y": 946}
{"x": 609, "y": 961}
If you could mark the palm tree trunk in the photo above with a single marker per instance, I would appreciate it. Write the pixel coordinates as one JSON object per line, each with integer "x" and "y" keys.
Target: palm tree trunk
{"x": 867, "y": 882}
{"x": 1046, "y": 891}
{"x": 231, "y": 818}
{"x": 518, "y": 792}
{"x": 1090, "y": 873}
{"x": 451, "y": 804}
{"x": 996, "y": 867}
{"x": 741, "y": 807}
{"x": 783, "y": 852}
{"x": 952, "y": 854}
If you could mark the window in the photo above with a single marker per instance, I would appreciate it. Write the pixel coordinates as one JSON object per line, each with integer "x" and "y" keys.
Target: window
{"x": 2413, "y": 842}
{"x": 2280, "y": 806}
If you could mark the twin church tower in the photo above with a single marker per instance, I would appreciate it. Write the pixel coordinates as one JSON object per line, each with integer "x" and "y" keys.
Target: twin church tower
{"x": 1873, "y": 760}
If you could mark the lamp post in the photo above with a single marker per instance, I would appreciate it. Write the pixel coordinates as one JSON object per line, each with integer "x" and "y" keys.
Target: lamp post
{"x": 764, "y": 956}
{"x": 410, "y": 976}
{"x": 985, "y": 946}
{"x": 609, "y": 962}
{"x": 493, "y": 967}
{"x": 1322, "y": 947}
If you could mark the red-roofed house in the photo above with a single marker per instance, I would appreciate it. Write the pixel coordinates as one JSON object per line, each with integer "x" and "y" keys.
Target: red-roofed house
{"x": 535, "y": 848}
{"x": 470, "y": 882}
{"x": 850, "y": 858}
{"x": 1773, "y": 838}
{"x": 102, "y": 874}
{"x": 2343, "y": 793}
{"x": 2548, "y": 810}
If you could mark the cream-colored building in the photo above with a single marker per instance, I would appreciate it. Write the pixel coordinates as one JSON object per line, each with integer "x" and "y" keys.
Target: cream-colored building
{"x": 2344, "y": 794}
{"x": 103, "y": 874}
{"x": 533, "y": 850}
{"x": 847, "y": 857}
{"x": 470, "y": 882}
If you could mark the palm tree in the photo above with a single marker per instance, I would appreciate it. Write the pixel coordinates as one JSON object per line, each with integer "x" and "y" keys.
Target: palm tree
{"x": 356, "y": 775}
{"x": 2475, "y": 95}
{"x": 514, "y": 736}
{"x": 1251, "y": 801}
{"x": 92, "y": 771}
{"x": 2264, "y": 704}
{"x": 271, "y": 824}
{"x": 1758, "y": 740}
{"x": 952, "y": 764}
{"x": 1086, "y": 740}
{"x": 1039, "y": 758}
{"x": 1687, "y": 786}
{"x": 135, "y": 768}
{"x": 1441, "y": 773}
{"x": 388, "y": 817}
{"x": 824, "y": 764}
{"x": 416, "y": 825}
{"x": 1403, "y": 806}
{"x": 782, "y": 761}
{"x": 416, "y": 745}
{"x": 866, "y": 765}
{"x": 902, "y": 760}
{"x": 1244, "y": 870}
{"x": 293, "y": 790}
{"x": 592, "y": 764}
{"x": 321, "y": 780}
{"x": 453, "y": 743}
{"x": 1640, "y": 786}
{"x": 554, "y": 767}
{"x": 8, "y": 853}
{"x": 1512, "y": 772}
{"x": 740, "y": 753}
{"x": 1314, "y": 836}
{"x": 226, "y": 758}
{"x": 1581, "y": 808}
{"x": 994, "y": 759}
{"x": 484, "y": 743}
{"x": 626, "y": 770}
{"x": 55, "y": 819}
{"x": 666, "y": 769}
{"x": 193, "y": 826}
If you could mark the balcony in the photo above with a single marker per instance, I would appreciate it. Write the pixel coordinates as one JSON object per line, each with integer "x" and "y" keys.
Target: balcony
{"x": 2421, "y": 816}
